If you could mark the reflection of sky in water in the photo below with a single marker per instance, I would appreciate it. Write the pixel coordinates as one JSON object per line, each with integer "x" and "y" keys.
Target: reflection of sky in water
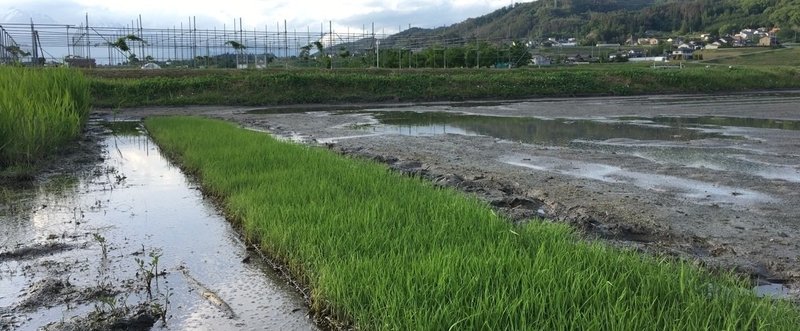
{"x": 701, "y": 192}
{"x": 137, "y": 200}
{"x": 559, "y": 132}
{"x": 629, "y": 135}
{"x": 424, "y": 130}
{"x": 720, "y": 159}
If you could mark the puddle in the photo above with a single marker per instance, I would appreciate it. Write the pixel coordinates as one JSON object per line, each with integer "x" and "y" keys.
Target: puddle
{"x": 660, "y": 140}
{"x": 558, "y": 132}
{"x": 87, "y": 240}
{"x": 773, "y": 290}
{"x": 696, "y": 191}
{"x": 717, "y": 121}
{"x": 724, "y": 159}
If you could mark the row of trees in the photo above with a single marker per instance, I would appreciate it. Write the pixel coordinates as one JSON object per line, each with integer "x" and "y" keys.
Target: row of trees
{"x": 477, "y": 54}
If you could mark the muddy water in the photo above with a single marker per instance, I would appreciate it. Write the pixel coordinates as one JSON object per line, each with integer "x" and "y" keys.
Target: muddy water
{"x": 83, "y": 244}
{"x": 529, "y": 130}
{"x": 657, "y": 139}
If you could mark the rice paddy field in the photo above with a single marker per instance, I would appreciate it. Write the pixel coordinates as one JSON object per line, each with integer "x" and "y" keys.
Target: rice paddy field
{"x": 378, "y": 250}
{"x": 789, "y": 56}
{"x": 39, "y": 111}
{"x": 130, "y": 88}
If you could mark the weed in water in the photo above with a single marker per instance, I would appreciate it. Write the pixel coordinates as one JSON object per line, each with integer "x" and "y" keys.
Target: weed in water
{"x": 148, "y": 271}
{"x": 103, "y": 244}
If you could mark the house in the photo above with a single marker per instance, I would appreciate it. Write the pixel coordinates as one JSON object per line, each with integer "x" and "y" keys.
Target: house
{"x": 633, "y": 41}
{"x": 682, "y": 54}
{"x": 634, "y": 53}
{"x": 648, "y": 41}
{"x": 714, "y": 45}
{"x": 540, "y": 60}
{"x": 580, "y": 58}
{"x": 607, "y": 45}
{"x": 768, "y": 41}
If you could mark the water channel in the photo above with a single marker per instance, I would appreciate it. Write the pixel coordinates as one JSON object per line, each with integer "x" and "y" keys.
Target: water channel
{"x": 83, "y": 241}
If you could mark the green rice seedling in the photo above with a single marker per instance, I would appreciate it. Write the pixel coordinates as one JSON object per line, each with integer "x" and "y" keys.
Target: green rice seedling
{"x": 40, "y": 109}
{"x": 388, "y": 252}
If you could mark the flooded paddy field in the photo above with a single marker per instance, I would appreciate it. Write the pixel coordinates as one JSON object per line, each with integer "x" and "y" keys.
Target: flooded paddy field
{"x": 713, "y": 178}
{"x": 115, "y": 237}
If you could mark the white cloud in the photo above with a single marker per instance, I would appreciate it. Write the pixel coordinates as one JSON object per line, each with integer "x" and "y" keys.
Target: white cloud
{"x": 255, "y": 14}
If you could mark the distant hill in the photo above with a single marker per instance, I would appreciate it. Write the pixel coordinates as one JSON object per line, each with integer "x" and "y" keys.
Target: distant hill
{"x": 610, "y": 21}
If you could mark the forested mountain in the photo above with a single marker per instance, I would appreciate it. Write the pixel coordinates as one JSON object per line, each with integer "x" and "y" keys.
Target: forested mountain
{"x": 592, "y": 21}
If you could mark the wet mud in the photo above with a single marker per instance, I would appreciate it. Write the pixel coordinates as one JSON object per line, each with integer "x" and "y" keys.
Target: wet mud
{"x": 114, "y": 237}
{"x": 710, "y": 178}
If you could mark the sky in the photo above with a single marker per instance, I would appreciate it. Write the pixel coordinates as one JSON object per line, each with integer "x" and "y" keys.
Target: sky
{"x": 387, "y": 16}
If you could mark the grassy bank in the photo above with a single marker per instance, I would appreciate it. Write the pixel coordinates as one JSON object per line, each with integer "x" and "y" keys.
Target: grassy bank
{"x": 40, "y": 109}
{"x": 388, "y": 252}
{"x": 126, "y": 88}
{"x": 759, "y": 56}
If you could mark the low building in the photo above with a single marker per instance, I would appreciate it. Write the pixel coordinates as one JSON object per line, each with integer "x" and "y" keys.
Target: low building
{"x": 682, "y": 54}
{"x": 648, "y": 59}
{"x": 540, "y": 60}
{"x": 768, "y": 41}
{"x": 648, "y": 41}
{"x": 79, "y": 62}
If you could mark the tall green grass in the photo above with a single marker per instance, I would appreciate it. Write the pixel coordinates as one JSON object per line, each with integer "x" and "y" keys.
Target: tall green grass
{"x": 388, "y": 252}
{"x": 113, "y": 88}
{"x": 40, "y": 109}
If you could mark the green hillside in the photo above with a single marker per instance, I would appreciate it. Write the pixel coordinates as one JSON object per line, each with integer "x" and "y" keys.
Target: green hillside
{"x": 612, "y": 21}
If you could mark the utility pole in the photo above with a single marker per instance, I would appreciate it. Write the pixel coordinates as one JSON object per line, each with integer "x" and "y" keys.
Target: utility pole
{"x": 241, "y": 41}
{"x": 88, "y": 45}
{"x": 141, "y": 35}
{"x": 285, "y": 41}
{"x": 34, "y": 47}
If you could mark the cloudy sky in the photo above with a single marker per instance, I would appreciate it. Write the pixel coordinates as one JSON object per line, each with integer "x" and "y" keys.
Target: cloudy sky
{"x": 354, "y": 14}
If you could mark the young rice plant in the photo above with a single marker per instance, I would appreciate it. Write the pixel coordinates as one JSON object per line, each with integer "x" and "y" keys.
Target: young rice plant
{"x": 40, "y": 109}
{"x": 388, "y": 252}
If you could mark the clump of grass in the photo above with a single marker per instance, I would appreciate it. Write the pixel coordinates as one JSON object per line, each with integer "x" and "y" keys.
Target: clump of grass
{"x": 40, "y": 109}
{"x": 388, "y": 252}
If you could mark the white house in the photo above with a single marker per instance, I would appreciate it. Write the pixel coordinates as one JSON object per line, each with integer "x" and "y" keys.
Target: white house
{"x": 540, "y": 60}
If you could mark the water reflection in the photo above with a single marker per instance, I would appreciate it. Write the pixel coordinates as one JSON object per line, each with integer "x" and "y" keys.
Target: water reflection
{"x": 559, "y": 132}
{"x": 718, "y": 121}
{"x": 139, "y": 204}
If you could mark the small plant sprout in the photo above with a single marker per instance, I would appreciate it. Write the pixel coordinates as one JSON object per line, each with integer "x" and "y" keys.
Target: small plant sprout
{"x": 103, "y": 243}
{"x": 148, "y": 271}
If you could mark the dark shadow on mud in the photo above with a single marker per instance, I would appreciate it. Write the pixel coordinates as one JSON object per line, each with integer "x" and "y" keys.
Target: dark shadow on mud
{"x": 34, "y": 251}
